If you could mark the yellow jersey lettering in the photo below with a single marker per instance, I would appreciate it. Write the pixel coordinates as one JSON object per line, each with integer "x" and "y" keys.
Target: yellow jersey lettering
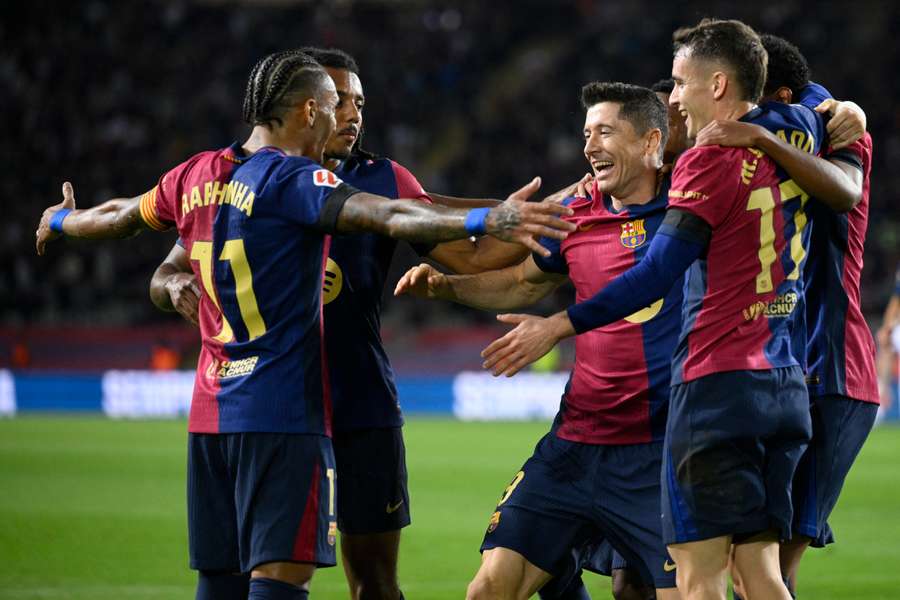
{"x": 240, "y": 190}
{"x": 207, "y": 192}
{"x": 247, "y": 207}
{"x": 195, "y": 198}
{"x": 218, "y": 192}
{"x": 185, "y": 209}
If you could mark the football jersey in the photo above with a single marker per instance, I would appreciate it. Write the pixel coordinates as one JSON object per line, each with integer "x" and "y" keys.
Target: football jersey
{"x": 255, "y": 230}
{"x": 742, "y": 297}
{"x": 618, "y": 391}
{"x": 362, "y": 381}
{"x": 840, "y": 350}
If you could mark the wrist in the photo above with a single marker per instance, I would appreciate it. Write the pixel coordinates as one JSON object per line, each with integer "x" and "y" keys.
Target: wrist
{"x": 56, "y": 221}
{"x": 476, "y": 221}
{"x": 562, "y": 325}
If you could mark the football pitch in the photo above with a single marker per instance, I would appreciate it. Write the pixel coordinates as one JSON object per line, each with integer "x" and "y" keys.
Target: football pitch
{"x": 94, "y": 509}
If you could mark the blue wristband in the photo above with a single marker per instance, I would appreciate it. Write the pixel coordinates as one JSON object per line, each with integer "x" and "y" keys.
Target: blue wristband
{"x": 475, "y": 221}
{"x": 56, "y": 220}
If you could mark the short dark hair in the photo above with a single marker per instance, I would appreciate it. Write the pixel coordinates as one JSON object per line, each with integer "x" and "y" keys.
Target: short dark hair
{"x": 640, "y": 106}
{"x": 787, "y": 65}
{"x": 275, "y": 83}
{"x": 732, "y": 42}
{"x": 332, "y": 58}
{"x": 663, "y": 86}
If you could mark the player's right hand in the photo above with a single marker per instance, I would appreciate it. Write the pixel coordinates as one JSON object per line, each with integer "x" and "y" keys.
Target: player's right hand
{"x": 518, "y": 220}
{"x": 847, "y": 124}
{"x": 423, "y": 281}
{"x": 44, "y": 234}
{"x": 185, "y": 295}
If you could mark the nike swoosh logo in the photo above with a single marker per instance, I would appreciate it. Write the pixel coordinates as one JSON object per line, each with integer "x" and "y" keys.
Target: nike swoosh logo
{"x": 390, "y": 509}
{"x": 587, "y": 227}
{"x": 668, "y": 567}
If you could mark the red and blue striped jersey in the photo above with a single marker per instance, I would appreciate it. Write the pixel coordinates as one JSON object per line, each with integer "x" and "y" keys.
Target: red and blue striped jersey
{"x": 742, "y": 306}
{"x": 618, "y": 391}
{"x": 362, "y": 380}
{"x": 255, "y": 229}
{"x": 840, "y": 350}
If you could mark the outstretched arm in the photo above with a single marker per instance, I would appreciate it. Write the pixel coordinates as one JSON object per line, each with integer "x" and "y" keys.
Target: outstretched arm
{"x": 514, "y": 287}
{"x": 117, "y": 218}
{"x": 681, "y": 239}
{"x": 173, "y": 286}
{"x": 514, "y": 220}
{"x": 834, "y": 182}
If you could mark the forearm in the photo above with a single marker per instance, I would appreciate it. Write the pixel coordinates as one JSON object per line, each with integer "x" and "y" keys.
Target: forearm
{"x": 819, "y": 178}
{"x": 505, "y": 289}
{"x": 466, "y": 203}
{"x": 483, "y": 254}
{"x": 642, "y": 285}
{"x": 118, "y": 218}
{"x": 159, "y": 295}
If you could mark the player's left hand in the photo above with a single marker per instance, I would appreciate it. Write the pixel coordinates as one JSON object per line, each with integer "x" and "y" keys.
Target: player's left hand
{"x": 532, "y": 338}
{"x": 733, "y": 134}
{"x": 847, "y": 124}
{"x": 44, "y": 234}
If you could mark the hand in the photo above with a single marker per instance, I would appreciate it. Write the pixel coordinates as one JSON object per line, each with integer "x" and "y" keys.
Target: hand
{"x": 733, "y": 134}
{"x": 185, "y": 295}
{"x": 577, "y": 189}
{"x": 44, "y": 234}
{"x": 423, "y": 281}
{"x": 532, "y": 338}
{"x": 847, "y": 124}
{"x": 518, "y": 220}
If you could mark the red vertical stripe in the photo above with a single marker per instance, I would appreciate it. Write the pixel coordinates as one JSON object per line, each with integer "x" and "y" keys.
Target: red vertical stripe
{"x": 326, "y": 381}
{"x": 307, "y": 533}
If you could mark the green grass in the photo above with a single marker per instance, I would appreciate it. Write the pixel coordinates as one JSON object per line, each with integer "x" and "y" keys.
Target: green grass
{"x": 94, "y": 509}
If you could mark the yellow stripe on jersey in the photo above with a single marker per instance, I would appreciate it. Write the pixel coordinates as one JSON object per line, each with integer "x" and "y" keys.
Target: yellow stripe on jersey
{"x": 148, "y": 211}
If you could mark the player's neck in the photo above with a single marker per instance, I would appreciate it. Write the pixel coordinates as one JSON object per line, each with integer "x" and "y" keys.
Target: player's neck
{"x": 281, "y": 138}
{"x": 641, "y": 191}
{"x": 732, "y": 111}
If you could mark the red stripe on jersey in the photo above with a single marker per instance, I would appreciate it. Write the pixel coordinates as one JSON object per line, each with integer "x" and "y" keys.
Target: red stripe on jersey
{"x": 326, "y": 382}
{"x": 407, "y": 185}
{"x": 859, "y": 347}
{"x": 307, "y": 533}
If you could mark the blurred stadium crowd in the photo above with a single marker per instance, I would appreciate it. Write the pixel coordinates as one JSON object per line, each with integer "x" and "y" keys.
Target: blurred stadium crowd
{"x": 474, "y": 98}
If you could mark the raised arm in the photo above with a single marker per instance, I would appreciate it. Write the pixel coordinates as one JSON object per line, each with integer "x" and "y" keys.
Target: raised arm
{"x": 505, "y": 289}
{"x": 834, "y": 182}
{"x": 173, "y": 286}
{"x": 514, "y": 220}
{"x": 116, "y": 218}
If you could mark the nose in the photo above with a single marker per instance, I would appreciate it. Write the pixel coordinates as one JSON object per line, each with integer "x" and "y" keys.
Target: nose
{"x": 675, "y": 96}
{"x": 592, "y": 144}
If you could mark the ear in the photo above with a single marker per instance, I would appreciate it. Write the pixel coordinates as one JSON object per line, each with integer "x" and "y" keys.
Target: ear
{"x": 310, "y": 112}
{"x": 720, "y": 84}
{"x": 784, "y": 94}
{"x": 652, "y": 141}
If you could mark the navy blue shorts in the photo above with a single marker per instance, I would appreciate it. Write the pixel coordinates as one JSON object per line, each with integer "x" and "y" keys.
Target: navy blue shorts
{"x": 733, "y": 441}
{"x": 256, "y": 498}
{"x": 840, "y": 427}
{"x": 600, "y": 558}
{"x": 569, "y": 495}
{"x": 373, "y": 496}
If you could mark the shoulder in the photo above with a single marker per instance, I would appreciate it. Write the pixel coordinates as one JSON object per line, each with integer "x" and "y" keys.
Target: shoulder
{"x": 707, "y": 159}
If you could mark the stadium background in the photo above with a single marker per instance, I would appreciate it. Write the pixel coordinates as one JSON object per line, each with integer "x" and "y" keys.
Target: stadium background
{"x": 473, "y": 97}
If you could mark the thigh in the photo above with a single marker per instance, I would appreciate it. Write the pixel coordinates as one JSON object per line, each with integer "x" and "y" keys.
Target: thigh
{"x": 286, "y": 500}
{"x": 372, "y": 490}
{"x": 628, "y": 499}
{"x": 840, "y": 428}
{"x": 212, "y": 516}
{"x": 545, "y": 512}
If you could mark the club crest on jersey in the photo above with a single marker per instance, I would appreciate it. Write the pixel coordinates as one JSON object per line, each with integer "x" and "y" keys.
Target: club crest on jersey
{"x": 633, "y": 233}
{"x": 495, "y": 521}
{"x": 325, "y": 178}
{"x": 332, "y": 533}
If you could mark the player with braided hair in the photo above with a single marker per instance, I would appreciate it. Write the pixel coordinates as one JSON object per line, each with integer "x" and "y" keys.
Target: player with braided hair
{"x": 255, "y": 220}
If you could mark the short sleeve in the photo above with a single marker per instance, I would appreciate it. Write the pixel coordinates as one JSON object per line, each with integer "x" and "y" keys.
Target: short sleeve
{"x": 858, "y": 154}
{"x": 811, "y": 95}
{"x": 407, "y": 184}
{"x": 158, "y": 205}
{"x": 556, "y": 262}
{"x": 705, "y": 184}
{"x": 314, "y": 196}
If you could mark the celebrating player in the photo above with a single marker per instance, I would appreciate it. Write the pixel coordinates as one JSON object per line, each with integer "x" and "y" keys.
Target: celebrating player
{"x": 840, "y": 351}
{"x": 605, "y": 447}
{"x": 372, "y": 493}
{"x": 253, "y": 219}
{"x": 734, "y": 376}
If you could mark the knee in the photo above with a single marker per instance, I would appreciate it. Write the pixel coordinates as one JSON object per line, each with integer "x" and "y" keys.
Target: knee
{"x": 628, "y": 586}
{"x": 486, "y": 586}
{"x": 296, "y": 574}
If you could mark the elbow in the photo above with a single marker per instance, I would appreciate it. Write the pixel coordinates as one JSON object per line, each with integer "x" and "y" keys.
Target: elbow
{"x": 846, "y": 201}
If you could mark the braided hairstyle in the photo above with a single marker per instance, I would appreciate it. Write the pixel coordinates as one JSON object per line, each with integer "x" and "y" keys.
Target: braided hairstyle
{"x": 277, "y": 82}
